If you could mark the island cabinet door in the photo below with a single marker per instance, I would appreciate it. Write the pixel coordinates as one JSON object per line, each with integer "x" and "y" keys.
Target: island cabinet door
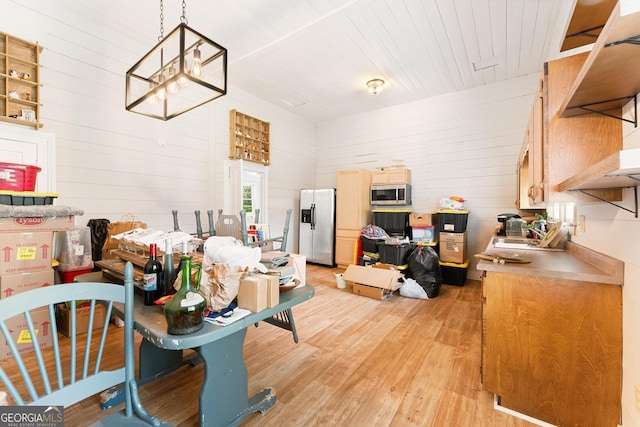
{"x": 552, "y": 348}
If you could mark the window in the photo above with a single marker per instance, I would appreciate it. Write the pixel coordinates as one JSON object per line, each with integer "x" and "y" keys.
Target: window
{"x": 247, "y": 198}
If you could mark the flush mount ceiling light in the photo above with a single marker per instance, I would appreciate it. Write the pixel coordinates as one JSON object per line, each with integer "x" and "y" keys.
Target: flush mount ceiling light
{"x": 375, "y": 86}
{"x": 183, "y": 71}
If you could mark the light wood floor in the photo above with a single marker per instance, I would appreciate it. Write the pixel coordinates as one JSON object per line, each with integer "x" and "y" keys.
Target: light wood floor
{"x": 359, "y": 362}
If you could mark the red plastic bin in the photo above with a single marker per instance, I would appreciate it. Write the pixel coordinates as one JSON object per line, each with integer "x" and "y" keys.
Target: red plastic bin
{"x": 17, "y": 177}
{"x": 69, "y": 276}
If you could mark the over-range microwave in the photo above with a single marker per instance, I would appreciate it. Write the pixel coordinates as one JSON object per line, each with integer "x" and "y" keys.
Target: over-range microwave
{"x": 396, "y": 194}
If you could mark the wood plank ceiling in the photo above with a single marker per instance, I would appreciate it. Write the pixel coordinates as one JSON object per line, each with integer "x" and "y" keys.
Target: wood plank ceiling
{"x": 314, "y": 57}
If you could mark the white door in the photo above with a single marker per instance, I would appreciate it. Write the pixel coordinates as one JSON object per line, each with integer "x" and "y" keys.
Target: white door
{"x": 241, "y": 176}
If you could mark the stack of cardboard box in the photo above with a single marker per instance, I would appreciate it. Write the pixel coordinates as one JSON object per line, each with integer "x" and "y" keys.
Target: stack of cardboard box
{"x": 452, "y": 226}
{"x": 25, "y": 264}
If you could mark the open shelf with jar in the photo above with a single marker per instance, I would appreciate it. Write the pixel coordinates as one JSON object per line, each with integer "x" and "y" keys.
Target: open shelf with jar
{"x": 19, "y": 81}
{"x": 248, "y": 138}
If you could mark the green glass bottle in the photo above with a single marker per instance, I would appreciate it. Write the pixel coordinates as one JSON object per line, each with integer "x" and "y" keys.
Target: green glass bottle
{"x": 184, "y": 312}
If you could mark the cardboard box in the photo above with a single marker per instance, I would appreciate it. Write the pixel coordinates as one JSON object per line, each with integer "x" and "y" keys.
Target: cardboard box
{"x": 82, "y": 319}
{"x": 252, "y": 294}
{"x": 25, "y": 252}
{"x": 11, "y": 284}
{"x": 453, "y": 247}
{"x": 422, "y": 219}
{"x": 376, "y": 277}
{"x": 371, "y": 291}
{"x": 273, "y": 289}
{"x": 20, "y": 332}
{"x": 17, "y": 225}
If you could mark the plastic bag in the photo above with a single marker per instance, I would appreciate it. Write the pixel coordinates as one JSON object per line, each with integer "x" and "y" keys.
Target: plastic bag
{"x": 411, "y": 289}
{"x": 227, "y": 250}
{"x": 424, "y": 267}
{"x": 373, "y": 232}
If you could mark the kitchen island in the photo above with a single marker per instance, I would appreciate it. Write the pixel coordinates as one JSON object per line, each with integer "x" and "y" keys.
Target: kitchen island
{"x": 552, "y": 334}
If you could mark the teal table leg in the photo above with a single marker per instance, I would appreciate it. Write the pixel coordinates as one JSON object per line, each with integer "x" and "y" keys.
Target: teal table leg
{"x": 224, "y": 394}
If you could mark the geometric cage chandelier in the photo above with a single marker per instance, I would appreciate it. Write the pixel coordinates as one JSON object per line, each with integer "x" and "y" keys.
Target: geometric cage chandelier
{"x": 183, "y": 71}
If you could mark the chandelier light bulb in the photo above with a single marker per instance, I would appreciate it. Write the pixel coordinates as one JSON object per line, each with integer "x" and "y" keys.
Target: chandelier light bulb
{"x": 161, "y": 93}
{"x": 152, "y": 99}
{"x": 173, "y": 86}
{"x": 183, "y": 81}
{"x": 196, "y": 70}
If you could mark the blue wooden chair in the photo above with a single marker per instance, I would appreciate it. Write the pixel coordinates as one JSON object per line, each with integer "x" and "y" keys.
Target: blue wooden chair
{"x": 70, "y": 372}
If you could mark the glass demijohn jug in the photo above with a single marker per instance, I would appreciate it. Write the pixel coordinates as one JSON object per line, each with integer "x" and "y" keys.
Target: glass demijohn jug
{"x": 184, "y": 312}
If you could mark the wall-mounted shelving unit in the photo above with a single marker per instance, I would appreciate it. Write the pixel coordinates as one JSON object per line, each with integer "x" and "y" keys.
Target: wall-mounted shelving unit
{"x": 621, "y": 170}
{"x": 609, "y": 78}
{"x": 587, "y": 21}
{"x": 249, "y": 138}
{"x": 19, "y": 81}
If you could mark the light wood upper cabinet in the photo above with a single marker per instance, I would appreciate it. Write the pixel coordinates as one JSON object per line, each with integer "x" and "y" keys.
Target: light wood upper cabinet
{"x": 391, "y": 176}
{"x": 572, "y": 144}
{"x": 556, "y": 148}
{"x": 352, "y": 211}
{"x": 537, "y": 152}
{"x": 530, "y": 170}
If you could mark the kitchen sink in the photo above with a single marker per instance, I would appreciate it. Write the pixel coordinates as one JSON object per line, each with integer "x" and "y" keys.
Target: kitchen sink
{"x": 520, "y": 243}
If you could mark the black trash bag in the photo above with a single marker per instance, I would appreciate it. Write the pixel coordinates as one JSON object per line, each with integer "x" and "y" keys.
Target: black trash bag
{"x": 424, "y": 267}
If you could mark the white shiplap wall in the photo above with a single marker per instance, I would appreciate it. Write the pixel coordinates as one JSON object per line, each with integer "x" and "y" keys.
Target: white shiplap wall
{"x": 108, "y": 161}
{"x": 465, "y": 144}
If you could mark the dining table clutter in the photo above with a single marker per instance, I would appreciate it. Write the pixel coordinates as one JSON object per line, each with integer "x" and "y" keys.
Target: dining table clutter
{"x": 227, "y": 277}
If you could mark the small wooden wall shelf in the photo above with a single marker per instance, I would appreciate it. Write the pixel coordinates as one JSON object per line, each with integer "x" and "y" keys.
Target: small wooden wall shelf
{"x": 19, "y": 81}
{"x": 587, "y": 21}
{"x": 249, "y": 138}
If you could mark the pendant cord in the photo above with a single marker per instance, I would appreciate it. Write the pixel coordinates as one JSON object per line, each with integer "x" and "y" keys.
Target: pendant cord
{"x": 183, "y": 18}
{"x": 161, "y": 36}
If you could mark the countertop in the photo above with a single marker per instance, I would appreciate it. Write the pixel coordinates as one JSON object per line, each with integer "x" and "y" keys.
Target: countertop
{"x": 576, "y": 262}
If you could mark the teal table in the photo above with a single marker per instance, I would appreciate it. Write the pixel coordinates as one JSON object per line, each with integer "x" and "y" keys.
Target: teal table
{"x": 224, "y": 396}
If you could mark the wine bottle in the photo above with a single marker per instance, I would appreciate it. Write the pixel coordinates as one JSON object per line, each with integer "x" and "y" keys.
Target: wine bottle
{"x": 168, "y": 272}
{"x": 152, "y": 278}
{"x": 184, "y": 312}
{"x": 185, "y": 251}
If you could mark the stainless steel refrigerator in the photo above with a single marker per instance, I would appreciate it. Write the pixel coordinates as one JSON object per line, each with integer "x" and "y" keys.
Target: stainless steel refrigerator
{"x": 318, "y": 226}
